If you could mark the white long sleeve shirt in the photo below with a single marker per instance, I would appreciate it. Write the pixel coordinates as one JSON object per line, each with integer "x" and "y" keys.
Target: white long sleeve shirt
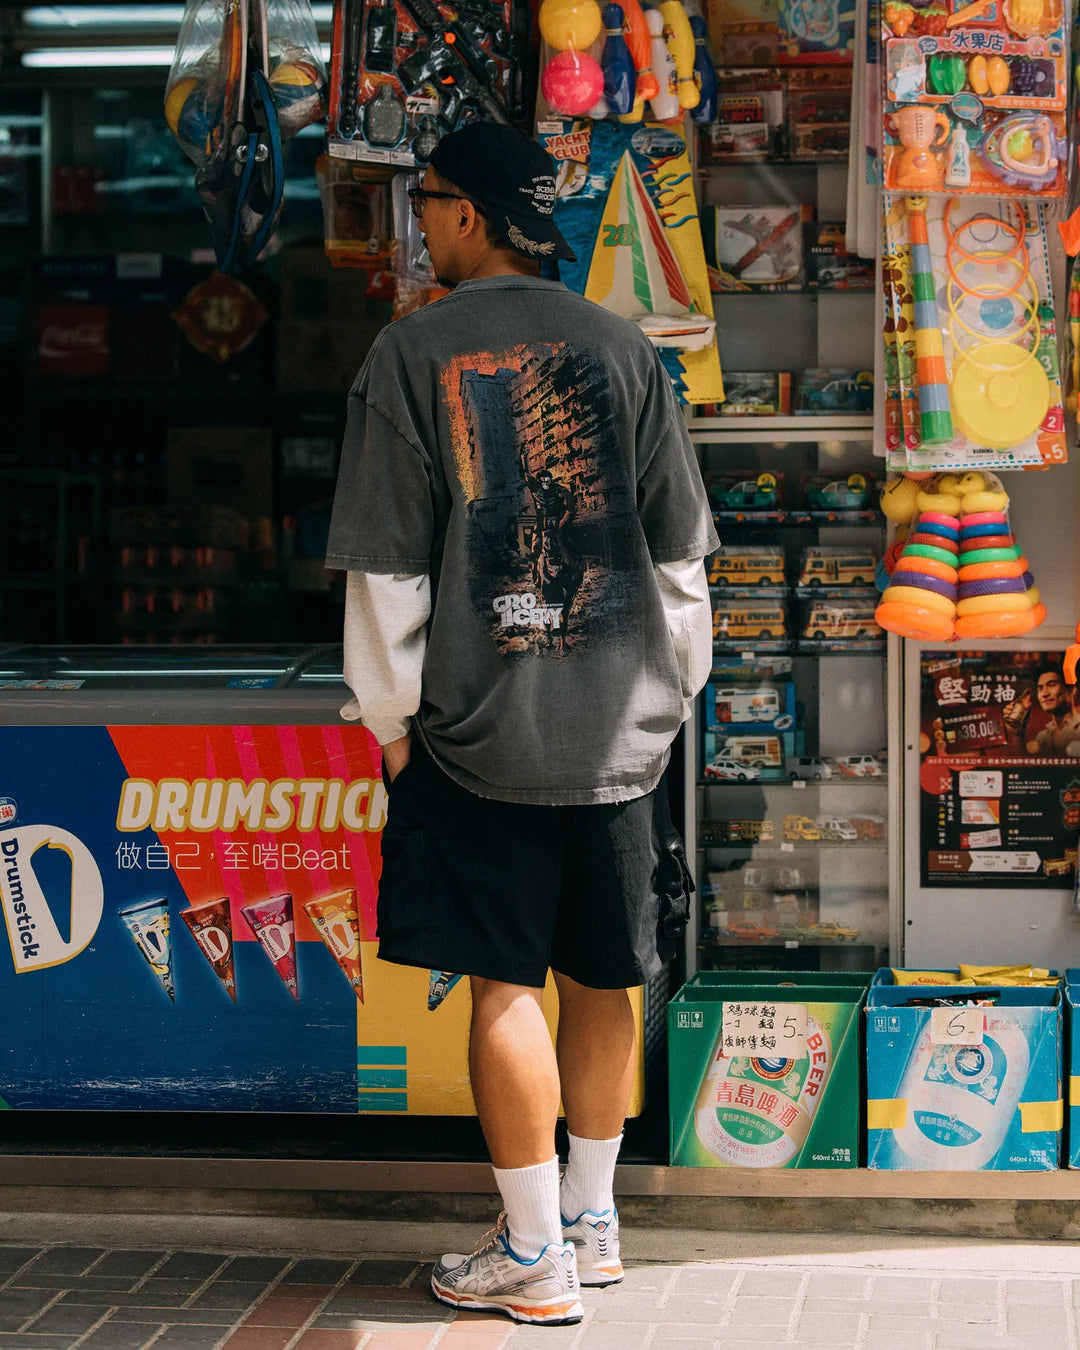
{"x": 386, "y": 618}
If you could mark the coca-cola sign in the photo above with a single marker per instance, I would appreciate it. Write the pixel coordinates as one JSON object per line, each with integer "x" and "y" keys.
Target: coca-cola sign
{"x": 73, "y": 340}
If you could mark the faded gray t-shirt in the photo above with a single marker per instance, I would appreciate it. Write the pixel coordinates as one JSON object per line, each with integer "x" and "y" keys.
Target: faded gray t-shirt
{"x": 525, "y": 448}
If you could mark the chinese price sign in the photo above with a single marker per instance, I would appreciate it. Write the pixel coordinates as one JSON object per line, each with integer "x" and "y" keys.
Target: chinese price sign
{"x": 765, "y": 1030}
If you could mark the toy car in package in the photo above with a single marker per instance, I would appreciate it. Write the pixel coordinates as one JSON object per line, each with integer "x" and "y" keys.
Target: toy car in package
{"x": 247, "y": 75}
{"x": 406, "y": 72}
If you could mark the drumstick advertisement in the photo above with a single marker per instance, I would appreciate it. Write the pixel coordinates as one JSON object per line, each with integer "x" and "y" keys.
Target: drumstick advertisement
{"x": 999, "y": 770}
{"x": 191, "y": 926}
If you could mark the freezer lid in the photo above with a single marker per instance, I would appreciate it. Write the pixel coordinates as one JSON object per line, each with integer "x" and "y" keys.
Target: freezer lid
{"x": 188, "y": 668}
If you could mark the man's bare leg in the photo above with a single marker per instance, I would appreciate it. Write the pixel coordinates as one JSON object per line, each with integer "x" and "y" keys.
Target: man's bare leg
{"x": 596, "y": 1055}
{"x": 515, "y": 1077}
{"x": 515, "y": 1081}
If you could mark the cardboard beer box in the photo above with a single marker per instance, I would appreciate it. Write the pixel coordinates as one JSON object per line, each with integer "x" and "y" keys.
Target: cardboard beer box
{"x": 961, "y": 1088}
{"x": 766, "y": 1073}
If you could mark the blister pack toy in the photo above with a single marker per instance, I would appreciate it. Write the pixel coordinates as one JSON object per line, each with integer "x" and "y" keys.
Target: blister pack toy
{"x": 974, "y": 101}
{"x": 755, "y": 248}
{"x": 406, "y": 72}
{"x": 971, "y": 355}
{"x": 816, "y": 30}
{"x": 625, "y": 203}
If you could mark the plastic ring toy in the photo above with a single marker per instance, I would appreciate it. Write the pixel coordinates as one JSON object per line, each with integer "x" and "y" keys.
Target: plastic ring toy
{"x": 923, "y": 581}
{"x": 981, "y": 555}
{"x": 988, "y": 571}
{"x": 934, "y": 541}
{"x": 926, "y": 567}
{"x": 900, "y": 595}
{"x": 992, "y": 586}
{"x": 929, "y": 551}
{"x": 1006, "y": 624}
{"x": 913, "y": 621}
{"x": 924, "y": 526}
{"x": 937, "y": 518}
{"x": 988, "y": 541}
{"x": 997, "y": 604}
{"x": 1017, "y": 231}
{"x": 987, "y": 258}
{"x": 992, "y": 527}
{"x": 984, "y": 518}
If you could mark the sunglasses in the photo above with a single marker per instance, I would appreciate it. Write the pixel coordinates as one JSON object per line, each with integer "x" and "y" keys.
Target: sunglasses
{"x": 418, "y": 196}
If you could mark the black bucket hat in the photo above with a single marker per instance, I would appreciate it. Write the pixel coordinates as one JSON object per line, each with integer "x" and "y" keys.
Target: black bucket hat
{"x": 511, "y": 177}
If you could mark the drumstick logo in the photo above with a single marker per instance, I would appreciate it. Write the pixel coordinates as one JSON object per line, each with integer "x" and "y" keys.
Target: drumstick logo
{"x": 34, "y": 935}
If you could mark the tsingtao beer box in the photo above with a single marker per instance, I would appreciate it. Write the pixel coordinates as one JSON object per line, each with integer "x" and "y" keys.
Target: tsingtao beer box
{"x": 765, "y": 1074}
{"x": 959, "y": 1088}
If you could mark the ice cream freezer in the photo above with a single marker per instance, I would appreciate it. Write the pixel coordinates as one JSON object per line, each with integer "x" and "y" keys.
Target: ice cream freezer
{"x": 189, "y": 863}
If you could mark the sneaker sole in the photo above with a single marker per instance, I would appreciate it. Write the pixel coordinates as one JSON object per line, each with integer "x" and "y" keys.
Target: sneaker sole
{"x": 564, "y": 1314}
{"x": 598, "y": 1276}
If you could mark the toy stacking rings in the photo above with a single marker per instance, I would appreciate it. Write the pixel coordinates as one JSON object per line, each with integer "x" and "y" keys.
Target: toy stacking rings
{"x": 990, "y": 625}
{"x": 930, "y": 551}
{"x": 932, "y": 527}
{"x": 987, "y": 571}
{"x": 981, "y": 555}
{"x": 927, "y": 567}
{"x": 992, "y": 528}
{"x": 938, "y": 518}
{"x": 935, "y": 541}
{"x": 988, "y": 541}
{"x": 993, "y": 586}
{"x": 923, "y": 581}
{"x": 977, "y": 518}
{"x": 916, "y": 620}
{"x": 995, "y": 604}
{"x": 910, "y": 595}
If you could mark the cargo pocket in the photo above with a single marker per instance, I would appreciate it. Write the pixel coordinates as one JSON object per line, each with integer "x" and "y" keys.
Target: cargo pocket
{"x": 674, "y": 882}
{"x": 406, "y": 922}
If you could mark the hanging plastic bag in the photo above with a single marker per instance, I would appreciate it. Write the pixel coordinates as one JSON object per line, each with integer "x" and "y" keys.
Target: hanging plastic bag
{"x": 247, "y": 76}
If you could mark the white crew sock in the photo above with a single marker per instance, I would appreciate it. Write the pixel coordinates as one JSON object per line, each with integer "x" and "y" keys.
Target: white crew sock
{"x": 530, "y": 1196}
{"x": 588, "y": 1184}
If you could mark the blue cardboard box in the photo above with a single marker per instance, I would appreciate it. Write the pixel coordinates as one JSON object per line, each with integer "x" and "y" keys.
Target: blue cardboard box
{"x": 982, "y": 1097}
{"x": 749, "y": 706}
{"x": 1072, "y": 1053}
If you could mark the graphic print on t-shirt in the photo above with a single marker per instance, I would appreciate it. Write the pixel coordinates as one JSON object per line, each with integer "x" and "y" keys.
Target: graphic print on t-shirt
{"x": 551, "y": 522}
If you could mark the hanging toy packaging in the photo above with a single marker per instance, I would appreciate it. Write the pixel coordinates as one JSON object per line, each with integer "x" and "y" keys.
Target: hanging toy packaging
{"x": 960, "y": 573}
{"x": 245, "y": 78}
{"x": 406, "y": 72}
{"x": 975, "y": 101}
{"x": 972, "y": 377}
{"x": 625, "y": 204}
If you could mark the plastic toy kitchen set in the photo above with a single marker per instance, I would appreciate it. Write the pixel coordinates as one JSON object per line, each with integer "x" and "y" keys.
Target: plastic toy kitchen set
{"x": 975, "y": 100}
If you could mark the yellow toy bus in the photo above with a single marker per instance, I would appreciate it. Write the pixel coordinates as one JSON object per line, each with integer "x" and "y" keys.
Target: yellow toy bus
{"x": 733, "y": 622}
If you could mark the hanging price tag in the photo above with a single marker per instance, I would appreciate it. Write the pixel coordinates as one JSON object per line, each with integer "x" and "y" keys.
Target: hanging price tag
{"x": 957, "y": 1026}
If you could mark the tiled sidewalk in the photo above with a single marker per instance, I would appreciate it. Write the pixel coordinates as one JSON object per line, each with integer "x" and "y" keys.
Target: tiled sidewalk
{"x": 62, "y": 1297}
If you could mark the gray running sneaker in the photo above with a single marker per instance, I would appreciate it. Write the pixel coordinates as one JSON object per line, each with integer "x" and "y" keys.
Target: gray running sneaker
{"x": 596, "y": 1238}
{"x": 495, "y": 1279}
